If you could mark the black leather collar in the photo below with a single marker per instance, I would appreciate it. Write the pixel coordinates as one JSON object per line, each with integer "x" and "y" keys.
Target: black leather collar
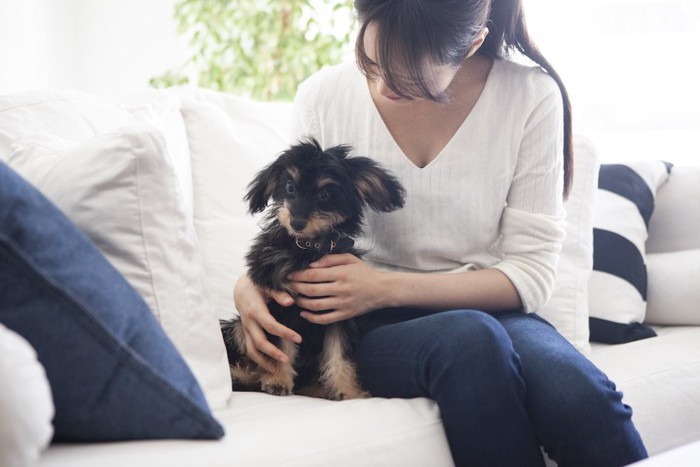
{"x": 334, "y": 242}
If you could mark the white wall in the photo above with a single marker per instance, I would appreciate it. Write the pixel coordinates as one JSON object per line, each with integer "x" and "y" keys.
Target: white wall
{"x": 631, "y": 67}
{"x": 101, "y": 46}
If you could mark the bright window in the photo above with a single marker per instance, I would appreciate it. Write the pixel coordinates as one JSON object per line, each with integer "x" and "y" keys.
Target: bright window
{"x": 631, "y": 68}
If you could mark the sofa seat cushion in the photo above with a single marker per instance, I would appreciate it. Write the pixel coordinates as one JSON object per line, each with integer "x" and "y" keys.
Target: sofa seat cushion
{"x": 293, "y": 431}
{"x": 660, "y": 379}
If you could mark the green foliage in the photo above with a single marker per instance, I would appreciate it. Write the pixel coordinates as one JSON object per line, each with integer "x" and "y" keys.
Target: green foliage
{"x": 260, "y": 48}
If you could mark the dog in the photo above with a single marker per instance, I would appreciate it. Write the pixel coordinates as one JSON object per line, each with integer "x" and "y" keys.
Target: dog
{"x": 318, "y": 198}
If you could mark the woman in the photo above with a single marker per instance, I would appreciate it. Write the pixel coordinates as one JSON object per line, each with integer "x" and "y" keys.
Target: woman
{"x": 446, "y": 293}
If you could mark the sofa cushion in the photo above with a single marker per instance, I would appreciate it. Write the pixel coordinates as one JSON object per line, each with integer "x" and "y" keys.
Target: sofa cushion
{"x": 618, "y": 284}
{"x": 660, "y": 380}
{"x": 230, "y": 138}
{"x": 567, "y": 309}
{"x": 674, "y": 288}
{"x": 674, "y": 251}
{"x": 676, "y": 222}
{"x": 113, "y": 372}
{"x": 120, "y": 189}
{"x": 292, "y": 431}
{"x": 26, "y": 407}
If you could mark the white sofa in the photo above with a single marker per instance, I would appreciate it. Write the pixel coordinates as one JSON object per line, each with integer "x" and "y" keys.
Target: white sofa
{"x": 215, "y": 143}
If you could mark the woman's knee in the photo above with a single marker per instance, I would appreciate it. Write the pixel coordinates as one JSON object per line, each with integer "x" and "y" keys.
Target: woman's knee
{"x": 468, "y": 338}
{"x": 439, "y": 351}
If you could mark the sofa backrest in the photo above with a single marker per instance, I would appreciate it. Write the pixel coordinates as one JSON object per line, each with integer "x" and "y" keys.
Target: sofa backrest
{"x": 675, "y": 224}
{"x": 673, "y": 251}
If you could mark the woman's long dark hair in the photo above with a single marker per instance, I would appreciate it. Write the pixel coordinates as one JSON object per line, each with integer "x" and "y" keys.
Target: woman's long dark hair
{"x": 444, "y": 30}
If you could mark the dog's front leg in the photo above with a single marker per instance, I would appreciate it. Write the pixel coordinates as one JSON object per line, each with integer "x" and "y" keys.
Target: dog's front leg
{"x": 338, "y": 373}
{"x": 281, "y": 382}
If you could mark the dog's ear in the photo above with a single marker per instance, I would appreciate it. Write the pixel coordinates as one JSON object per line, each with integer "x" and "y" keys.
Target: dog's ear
{"x": 379, "y": 189}
{"x": 263, "y": 186}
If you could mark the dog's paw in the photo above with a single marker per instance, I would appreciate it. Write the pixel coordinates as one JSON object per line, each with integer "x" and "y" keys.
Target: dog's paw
{"x": 341, "y": 396}
{"x": 276, "y": 388}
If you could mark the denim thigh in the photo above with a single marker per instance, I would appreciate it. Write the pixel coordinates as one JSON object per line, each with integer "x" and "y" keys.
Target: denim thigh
{"x": 505, "y": 383}
{"x": 464, "y": 360}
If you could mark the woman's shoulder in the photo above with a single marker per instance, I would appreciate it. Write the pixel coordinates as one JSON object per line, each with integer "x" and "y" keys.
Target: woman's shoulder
{"x": 525, "y": 80}
{"x": 333, "y": 79}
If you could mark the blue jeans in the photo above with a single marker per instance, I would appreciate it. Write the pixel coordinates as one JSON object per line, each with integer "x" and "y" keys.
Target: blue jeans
{"x": 506, "y": 384}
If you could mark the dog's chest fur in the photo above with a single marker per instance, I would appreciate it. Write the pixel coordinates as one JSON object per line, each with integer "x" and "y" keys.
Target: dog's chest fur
{"x": 276, "y": 254}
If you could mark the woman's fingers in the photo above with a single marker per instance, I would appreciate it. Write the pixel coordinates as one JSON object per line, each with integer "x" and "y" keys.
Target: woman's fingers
{"x": 272, "y": 326}
{"x": 260, "y": 344}
{"x": 281, "y": 297}
{"x": 258, "y": 357}
{"x": 318, "y": 304}
{"x": 324, "y": 270}
{"x": 324, "y": 318}
{"x": 329, "y": 261}
{"x": 310, "y": 289}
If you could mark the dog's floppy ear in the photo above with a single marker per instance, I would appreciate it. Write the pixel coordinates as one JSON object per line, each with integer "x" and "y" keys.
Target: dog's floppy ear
{"x": 263, "y": 186}
{"x": 379, "y": 189}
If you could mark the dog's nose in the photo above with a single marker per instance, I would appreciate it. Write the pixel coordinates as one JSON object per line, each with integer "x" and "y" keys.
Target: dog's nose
{"x": 298, "y": 224}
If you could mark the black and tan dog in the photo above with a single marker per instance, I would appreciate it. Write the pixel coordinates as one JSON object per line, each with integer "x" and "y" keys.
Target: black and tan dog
{"x": 318, "y": 200}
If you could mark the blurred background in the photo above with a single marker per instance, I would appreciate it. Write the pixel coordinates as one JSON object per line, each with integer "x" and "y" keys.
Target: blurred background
{"x": 630, "y": 65}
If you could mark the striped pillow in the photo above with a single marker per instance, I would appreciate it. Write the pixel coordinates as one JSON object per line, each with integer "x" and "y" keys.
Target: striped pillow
{"x": 618, "y": 284}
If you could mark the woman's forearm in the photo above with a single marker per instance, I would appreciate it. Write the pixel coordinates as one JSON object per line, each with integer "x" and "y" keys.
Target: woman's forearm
{"x": 487, "y": 290}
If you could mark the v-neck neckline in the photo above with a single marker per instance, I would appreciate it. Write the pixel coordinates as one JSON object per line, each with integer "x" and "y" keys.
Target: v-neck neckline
{"x": 377, "y": 115}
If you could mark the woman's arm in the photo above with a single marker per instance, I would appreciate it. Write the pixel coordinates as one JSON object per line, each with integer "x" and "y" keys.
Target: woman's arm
{"x": 351, "y": 287}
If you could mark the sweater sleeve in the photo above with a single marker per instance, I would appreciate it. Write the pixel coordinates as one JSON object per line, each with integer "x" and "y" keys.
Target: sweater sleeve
{"x": 532, "y": 227}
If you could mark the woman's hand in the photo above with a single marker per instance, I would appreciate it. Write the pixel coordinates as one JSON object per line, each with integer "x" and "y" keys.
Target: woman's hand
{"x": 251, "y": 303}
{"x": 341, "y": 283}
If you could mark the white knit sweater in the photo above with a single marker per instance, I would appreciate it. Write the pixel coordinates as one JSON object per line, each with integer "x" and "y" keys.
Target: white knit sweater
{"x": 491, "y": 199}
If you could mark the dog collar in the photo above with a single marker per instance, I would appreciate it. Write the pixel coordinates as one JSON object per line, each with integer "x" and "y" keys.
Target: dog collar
{"x": 332, "y": 243}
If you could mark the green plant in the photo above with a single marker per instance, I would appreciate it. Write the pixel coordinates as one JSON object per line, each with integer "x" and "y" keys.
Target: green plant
{"x": 260, "y": 48}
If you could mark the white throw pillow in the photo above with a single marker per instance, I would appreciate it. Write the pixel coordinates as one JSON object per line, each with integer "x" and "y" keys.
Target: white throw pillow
{"x": 161, "y": 110}
{"x": 120, "y": 188}
{"x": 26, "y": 405}
{"x": 66, "y": 115}
{"x": 567, "y": 309}
{"x": 618, "y": 286}
{"x": 230, "y": 139}
{"x": 73, "y": 116}
{"x": 673, "y": 293}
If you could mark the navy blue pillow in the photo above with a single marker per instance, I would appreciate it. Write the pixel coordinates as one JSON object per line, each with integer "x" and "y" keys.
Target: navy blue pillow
{"x": 113, "y": 372}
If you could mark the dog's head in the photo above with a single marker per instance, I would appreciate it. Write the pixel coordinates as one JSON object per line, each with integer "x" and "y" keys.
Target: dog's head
{"x": 316, "y": 191}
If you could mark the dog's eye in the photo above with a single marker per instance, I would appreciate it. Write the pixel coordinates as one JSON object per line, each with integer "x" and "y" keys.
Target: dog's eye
{"x": 290, "y": 187}
{"x": 324, "y": 195}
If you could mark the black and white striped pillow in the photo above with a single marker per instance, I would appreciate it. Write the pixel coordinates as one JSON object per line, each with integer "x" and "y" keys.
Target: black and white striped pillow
{"x": 618, "y": 284}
